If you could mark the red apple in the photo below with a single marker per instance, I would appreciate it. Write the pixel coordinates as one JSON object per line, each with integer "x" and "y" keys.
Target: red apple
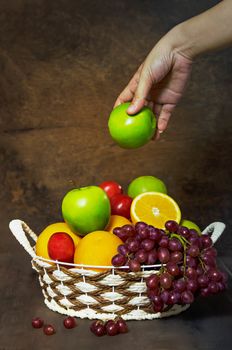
{"x": 111, "y": 188}
{"x": 120, "y": 205}
{"x": 61, "y": 247}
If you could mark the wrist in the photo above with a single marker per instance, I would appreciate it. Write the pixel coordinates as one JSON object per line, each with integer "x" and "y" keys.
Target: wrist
{"x": 183, "y": 42}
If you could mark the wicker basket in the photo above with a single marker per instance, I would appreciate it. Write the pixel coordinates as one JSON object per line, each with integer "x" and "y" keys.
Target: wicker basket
{"x": 71, "y": 289}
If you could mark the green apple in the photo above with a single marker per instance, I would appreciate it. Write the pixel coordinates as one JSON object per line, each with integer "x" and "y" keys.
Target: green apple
{"x": 146, "y": 184}
{"x": 131, "y": 131}
{"x": 191, "y": 225}
{"x": 86, "y": 209}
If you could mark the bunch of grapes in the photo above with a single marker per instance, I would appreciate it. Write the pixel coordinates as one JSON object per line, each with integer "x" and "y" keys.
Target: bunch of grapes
{"x": 187, "y": 260}
{"x": 111, "y": 327}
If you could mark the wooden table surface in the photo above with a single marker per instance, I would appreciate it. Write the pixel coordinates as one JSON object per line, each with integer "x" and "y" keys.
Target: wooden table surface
{"x": 62, "y": 65}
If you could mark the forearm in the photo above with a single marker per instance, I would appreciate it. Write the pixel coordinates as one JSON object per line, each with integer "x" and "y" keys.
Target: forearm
{"x": 208, "y": 31}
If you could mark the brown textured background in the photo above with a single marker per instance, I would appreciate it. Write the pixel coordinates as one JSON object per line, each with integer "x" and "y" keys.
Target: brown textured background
{"x": 62, "y": 65}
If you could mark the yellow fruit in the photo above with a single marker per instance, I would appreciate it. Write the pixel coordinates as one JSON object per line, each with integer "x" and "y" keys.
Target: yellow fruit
{"x": 41, "y": 247}
{"x": 155, "y": 209}
{"x": 116, "y": 221}
{"x": 97, "y": 249}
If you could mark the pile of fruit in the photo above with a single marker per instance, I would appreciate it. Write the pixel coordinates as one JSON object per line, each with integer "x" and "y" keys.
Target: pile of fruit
{"x": 91, "y": 213}
{"x": 104, "y": 227}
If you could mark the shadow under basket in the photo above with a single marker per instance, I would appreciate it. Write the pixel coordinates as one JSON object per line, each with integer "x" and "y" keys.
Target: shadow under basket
{"x": 74, "y": 290}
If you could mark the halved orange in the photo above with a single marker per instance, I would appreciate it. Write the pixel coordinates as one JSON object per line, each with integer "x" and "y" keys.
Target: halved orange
{"x": 154, "y": 208}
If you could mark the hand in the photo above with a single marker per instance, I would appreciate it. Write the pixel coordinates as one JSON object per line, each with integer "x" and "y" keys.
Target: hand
{"x": 159, "y": 82}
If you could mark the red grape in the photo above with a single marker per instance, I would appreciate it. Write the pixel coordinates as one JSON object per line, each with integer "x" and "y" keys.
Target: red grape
{"x": 49, "y": 329}
{"x": 133, "y": 246}
{"x": 183, "y": 231}
{"x": 122, "y": 326}
{"x": 187, "y": 297}
{"x": 37, "y": 322}
{"x": 69, "y": 322}
{"x": 171, "y": 226}
{"x": 192, "y": 285}
{"x": 173, "y": 269}
{"x": 191, "y": 262}
{"x": 193, "y": 251}
{"x": 203, "y": 281}
{"x": 199, "y": 270}
{"x": 119, "y": 260}
{"x": 123, "y": 249}
{"x": 173, "y": 298}
{"x": 165, "y": 296}
{"x": 147, "y": 244}
{"x": 144, "y": 233}
{"x": 204, "y": 292}
{"x": 140, "y": 225}
{"x": 152, "y": 281}
{"x": 175, "y": 245}
{"x": 112, "y": 328}
{"x": 176, "y": 257}
{"x": 98, "y": 328}
{"x": 194, "y": 241}
{"x": 163, "y": 255}
{"x": 165, "y": 280}
{"x": 158, "y": 307}
{"x": 214, "y": 275}
{"x": 152, "y": 293}
{"x": 154, "y": 233}
{"x": 134, "y": 266}
{"x": 213, "y": 287}
{"x": 123, "y": 235}
{"x": 206, "y": 241}
{"x": 141, "y": 256}
{"x": 179, "y": 285}
{"x": 209, "y": 260}
{"x": 191, "y": 273}
{"x": 211, "y": 251}
{"x": 164, "y": 241}
{"x": 152, "y": 257}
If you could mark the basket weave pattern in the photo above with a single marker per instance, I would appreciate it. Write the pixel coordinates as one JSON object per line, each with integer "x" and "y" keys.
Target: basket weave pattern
{"x": 87, "y": 294}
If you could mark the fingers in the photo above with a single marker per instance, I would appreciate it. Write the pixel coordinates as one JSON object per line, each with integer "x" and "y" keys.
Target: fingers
{"x": 157, "y": 109}
{"x": 128, "y": 93}
{"x": 142, "y": 91}
{"x": 164, "y": 117}
{"x": 163, "y": 112}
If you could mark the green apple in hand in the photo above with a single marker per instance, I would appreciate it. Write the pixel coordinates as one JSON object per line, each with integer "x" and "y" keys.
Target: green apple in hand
{"x": 131, "y": 131}
{"x": 86, "y": 209}
{"x": 146, "y": 184}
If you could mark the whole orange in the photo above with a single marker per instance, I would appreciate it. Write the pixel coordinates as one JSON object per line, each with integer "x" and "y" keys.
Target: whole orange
{"x": 41, "y": 247}
{"x": 117, "y": 221}
{"x": 97, "y": 249}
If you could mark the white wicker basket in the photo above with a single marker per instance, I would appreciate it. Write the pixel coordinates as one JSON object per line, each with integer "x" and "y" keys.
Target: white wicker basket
{"x": 75, "y": 291}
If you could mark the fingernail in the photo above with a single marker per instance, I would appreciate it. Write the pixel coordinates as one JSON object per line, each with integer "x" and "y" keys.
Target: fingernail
{"x": 131, "y": 108}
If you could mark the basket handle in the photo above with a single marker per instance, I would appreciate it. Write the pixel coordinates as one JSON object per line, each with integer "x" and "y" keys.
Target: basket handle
{"x": 19, "y": 230}
{"x": 215, "y": 230}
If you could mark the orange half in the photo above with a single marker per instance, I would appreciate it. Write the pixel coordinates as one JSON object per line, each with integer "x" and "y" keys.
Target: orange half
{"x": 154, "y": 208}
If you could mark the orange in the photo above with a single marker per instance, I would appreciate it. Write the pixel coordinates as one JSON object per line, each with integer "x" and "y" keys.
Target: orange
{"x": 155, "y": 209}
{"x": 41, "y": 247}
{"x": 97, "y": 249}
{"x": 116, "y": 221}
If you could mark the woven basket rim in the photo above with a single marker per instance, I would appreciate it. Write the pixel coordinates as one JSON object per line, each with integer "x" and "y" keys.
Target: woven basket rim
{"x": 110, "y": 267}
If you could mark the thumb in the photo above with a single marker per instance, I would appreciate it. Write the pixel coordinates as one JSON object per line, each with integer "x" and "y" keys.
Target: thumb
{"x": 142, "y": 91}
